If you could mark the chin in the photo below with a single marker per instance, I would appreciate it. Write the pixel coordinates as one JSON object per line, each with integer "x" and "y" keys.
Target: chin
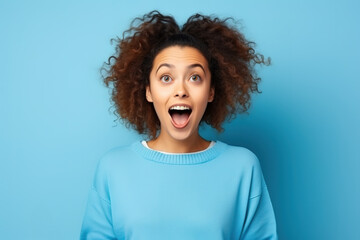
{"x": 182, "y": 134}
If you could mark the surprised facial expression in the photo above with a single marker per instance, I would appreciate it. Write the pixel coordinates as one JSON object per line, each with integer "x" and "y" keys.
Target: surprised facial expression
{"x": 180, "y": 89}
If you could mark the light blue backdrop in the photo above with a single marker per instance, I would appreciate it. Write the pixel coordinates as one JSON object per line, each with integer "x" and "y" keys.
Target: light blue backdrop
{"x": 55, "y": 120}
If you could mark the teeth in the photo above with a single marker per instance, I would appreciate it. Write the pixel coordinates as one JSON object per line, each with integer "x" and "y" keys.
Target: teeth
{"x": 179, "y": 108}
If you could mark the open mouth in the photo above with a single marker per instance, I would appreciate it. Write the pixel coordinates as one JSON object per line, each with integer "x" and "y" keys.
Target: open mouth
{"x": 180, "y": 115}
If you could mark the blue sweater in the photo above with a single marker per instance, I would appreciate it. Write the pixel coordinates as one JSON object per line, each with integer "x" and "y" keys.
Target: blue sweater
{"x": 141, "y": 194}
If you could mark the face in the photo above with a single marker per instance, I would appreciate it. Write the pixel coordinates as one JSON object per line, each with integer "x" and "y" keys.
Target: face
{"x": 180, "y": 89}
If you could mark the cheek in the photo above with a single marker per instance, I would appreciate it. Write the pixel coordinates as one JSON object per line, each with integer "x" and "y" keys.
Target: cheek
{"x": 159, "y": 101}
{"x": 159, "y": 97}
{"x": 201, "y": 95}
{"x": 202, "y": 101}
{"x": 157, "y": 93}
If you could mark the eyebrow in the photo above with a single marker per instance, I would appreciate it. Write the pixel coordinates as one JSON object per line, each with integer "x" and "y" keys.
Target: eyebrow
{"x": 165, "y": 65}
{"x": 189, "y": 67}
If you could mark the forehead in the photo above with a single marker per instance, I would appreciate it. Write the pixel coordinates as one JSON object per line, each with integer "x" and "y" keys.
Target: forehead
{"x": 179, "y": 55}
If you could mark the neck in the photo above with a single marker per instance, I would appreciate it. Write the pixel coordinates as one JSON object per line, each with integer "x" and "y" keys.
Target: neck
{"x": 194, "y": 144}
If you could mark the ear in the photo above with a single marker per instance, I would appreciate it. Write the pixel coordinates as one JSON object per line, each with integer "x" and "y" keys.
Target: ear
{"x": 211, "y": 95}
{"x": 148, "y": 94}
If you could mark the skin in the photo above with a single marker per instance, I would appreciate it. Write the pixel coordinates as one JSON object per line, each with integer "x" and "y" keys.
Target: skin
{"x": 180, "y": 76}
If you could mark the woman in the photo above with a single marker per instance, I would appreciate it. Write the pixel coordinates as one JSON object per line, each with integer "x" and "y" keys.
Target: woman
{"x": 166, "y": 81}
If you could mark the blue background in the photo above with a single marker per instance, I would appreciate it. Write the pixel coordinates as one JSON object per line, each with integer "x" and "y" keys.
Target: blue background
{"x": 56, "y": 119}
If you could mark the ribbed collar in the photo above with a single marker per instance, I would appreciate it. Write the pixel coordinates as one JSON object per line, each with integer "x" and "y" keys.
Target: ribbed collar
{"x": 180, "y": 158}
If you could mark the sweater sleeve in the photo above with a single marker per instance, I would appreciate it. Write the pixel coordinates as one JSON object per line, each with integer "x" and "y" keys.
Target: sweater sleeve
{"x": 260, "y": 221}
{"x": 97, "y": 221}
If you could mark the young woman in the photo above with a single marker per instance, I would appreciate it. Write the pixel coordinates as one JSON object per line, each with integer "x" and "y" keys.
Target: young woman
{"x": 177, "y": 185}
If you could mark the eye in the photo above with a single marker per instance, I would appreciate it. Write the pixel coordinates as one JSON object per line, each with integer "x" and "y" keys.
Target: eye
{"x": 166, "y": 78}
{"x": 195, "y": 78}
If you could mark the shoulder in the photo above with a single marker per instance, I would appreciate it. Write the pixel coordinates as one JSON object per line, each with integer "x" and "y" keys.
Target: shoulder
{"x": 114, "y": 159}
{"x": 247, "y": 165}
{"x": 116, "y": 155}
{"x": 110, "y": 164}
{"x": 240, "y": 155}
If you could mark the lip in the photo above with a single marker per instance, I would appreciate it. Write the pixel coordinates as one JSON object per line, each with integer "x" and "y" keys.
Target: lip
{"x": 187, "y": 121}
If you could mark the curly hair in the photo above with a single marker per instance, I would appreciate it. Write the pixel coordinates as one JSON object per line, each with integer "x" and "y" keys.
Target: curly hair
{"x": 230, "y": 56}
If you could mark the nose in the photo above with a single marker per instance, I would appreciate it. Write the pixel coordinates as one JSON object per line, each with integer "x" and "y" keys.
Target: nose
{"x": 180, "y": 90}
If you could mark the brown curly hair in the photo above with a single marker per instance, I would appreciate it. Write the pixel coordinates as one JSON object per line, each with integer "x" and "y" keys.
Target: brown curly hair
{"x": 230, "y": 56}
